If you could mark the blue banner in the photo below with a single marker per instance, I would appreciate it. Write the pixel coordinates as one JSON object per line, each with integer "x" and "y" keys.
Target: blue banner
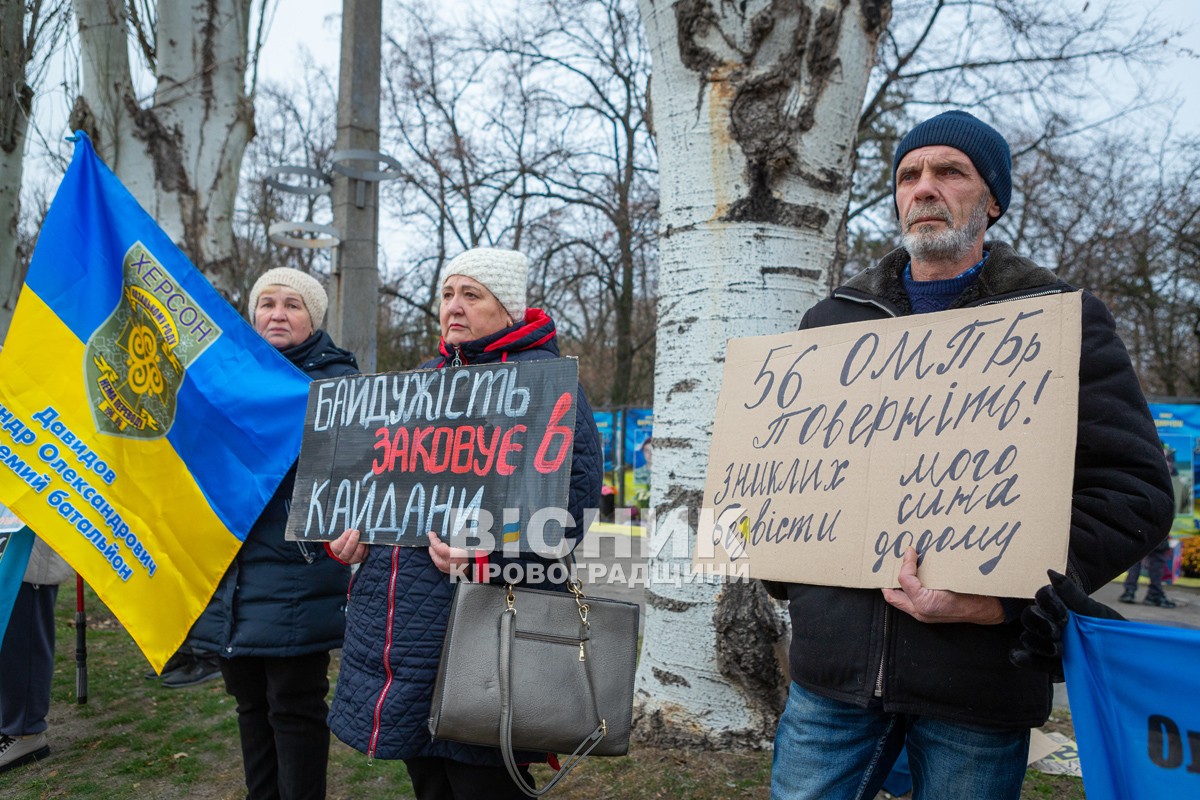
{"x": 14, "y": 555}
{"x": 639, "y": 428}
{"x": 1178, "y": 427}
{"x": 604, "y": 424}
{"x": 1135, "y": 703}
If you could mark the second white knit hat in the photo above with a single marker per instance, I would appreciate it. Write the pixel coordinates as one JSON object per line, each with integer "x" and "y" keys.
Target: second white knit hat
{"x": 308, "y": 287}
{"x": 504, "y": 273}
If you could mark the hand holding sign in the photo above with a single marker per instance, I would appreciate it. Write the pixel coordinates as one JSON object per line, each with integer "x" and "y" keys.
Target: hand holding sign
{"x": 939, "y": 605}
{"x": 450, "y": 560}
{"x": 347, "y": 549}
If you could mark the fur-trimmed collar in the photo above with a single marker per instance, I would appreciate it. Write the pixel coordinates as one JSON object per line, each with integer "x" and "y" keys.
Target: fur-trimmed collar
{"x": 1004, "y": 272}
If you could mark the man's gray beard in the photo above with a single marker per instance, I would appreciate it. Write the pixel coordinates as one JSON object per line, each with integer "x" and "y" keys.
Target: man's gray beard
{"x": 950, "y": 244}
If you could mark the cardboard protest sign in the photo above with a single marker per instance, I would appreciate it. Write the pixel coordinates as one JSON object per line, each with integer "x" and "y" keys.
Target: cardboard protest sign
{"x": 1053, "y": 753}
{"x": 835, "y": 449}
{"x": 478, "y": 453}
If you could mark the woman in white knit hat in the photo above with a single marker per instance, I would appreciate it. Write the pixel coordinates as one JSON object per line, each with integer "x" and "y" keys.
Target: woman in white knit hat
{"x": 400, "y": 598}
{"x": 278, "y": 611}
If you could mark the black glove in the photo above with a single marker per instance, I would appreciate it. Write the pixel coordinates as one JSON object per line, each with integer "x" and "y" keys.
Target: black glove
{"x": 777, "y": 591}
{"x": 1041, "y": 641}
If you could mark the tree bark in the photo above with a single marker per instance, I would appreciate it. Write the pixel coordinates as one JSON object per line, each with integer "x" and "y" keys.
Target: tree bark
{"x": 14, "y": 122}
{"x": 179, "y": 156}
{"x": 755, "y": 111}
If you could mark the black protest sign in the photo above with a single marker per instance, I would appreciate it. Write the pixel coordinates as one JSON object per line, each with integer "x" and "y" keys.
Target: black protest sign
{"x": 480, "y": 455}
{"x": 836, "y": 449}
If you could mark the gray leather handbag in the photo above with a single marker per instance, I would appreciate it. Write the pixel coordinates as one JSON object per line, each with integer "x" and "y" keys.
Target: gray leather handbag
{"x": 534, "y": 670}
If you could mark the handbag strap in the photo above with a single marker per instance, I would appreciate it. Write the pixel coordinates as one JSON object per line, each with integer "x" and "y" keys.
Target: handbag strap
{"x": 507, "y": 635}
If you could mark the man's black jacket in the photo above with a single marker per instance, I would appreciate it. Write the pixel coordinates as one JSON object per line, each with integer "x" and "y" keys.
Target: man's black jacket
{"x": 849, "y": 644}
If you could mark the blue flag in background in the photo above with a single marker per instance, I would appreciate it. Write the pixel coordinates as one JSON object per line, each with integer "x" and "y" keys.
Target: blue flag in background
{"x": 15, "y": 547}
{"x": 1135, "y": 703}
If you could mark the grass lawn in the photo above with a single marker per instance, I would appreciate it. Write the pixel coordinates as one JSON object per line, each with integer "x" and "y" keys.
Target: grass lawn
{"x": 134, "y": 739}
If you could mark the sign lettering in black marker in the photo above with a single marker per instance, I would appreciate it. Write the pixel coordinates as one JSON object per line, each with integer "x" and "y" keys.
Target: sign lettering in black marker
{"x": 837, "y": 449}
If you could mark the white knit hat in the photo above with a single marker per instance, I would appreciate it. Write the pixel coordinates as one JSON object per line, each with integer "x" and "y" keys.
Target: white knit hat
{"x": 308, "y": 287}
{"x": 502, "y": 272}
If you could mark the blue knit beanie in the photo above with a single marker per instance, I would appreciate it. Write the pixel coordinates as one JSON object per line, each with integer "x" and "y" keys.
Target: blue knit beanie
{"x": 982, "y": 143}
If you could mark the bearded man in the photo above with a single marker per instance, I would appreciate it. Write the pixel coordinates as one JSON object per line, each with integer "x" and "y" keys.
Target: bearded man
{"x": 874, "y": 670}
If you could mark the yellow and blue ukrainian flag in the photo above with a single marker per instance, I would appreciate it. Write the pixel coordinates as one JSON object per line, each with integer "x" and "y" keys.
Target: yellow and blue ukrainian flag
{"x": 144, "y": 425}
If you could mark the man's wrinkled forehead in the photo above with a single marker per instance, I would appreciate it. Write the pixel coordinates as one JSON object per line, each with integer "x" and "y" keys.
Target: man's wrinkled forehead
{"x": 937, "y": 154}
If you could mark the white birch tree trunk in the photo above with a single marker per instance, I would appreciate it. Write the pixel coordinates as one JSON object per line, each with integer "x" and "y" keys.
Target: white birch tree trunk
{"x": 755, "y": 108}
{"x": 180, "y": 155}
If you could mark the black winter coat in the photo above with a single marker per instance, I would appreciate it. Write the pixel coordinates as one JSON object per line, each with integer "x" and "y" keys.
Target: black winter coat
{"x": 281, "y": 598}
{"x": 849, "y": 644}
{"x": 399, "y": 601}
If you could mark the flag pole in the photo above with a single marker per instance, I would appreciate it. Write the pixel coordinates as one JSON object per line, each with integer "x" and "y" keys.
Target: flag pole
{"x": 81, "y": 687}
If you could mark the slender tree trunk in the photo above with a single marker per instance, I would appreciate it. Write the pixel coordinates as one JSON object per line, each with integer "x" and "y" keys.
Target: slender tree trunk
{"x": 755, "y": 112}
{"x": 623, "y": 373}
{"x": 623, "y": 220}
{"x": 15, "y": 107}
{"x": 180, "y": 157}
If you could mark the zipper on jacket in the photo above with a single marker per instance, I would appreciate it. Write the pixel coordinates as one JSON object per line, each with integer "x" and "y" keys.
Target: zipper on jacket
{"x": 867, "y": 300}
{"x": 387, "y": 657}
{"x": 458, "y": 361}
{"x": 887, "y": 613}
{"x": 1022, "y": 297}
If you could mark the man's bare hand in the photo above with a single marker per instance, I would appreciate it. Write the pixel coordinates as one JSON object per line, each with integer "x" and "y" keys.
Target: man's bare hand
{"x": 450, "y": 560}
{"x": 348, "y": 549}
{"x": 939, "y": 605}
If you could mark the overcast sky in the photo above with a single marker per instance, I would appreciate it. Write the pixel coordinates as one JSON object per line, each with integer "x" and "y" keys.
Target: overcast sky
{"x": 318, "y": 29}
{"x": 315, "y": 26}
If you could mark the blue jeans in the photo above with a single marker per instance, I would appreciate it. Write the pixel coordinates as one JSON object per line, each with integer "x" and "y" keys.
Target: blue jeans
{"x": 27, "y": 661}
{"x": 829, "y": 750}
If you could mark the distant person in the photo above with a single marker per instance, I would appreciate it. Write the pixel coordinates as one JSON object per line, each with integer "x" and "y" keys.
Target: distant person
{"x": 280, "y": 608}
{"x": 400, "y": 601}
{"x": 1156, "y": 566}
{"x": 1156, "y": 563}
{"x": 27, "y": 660}
{"x": 1181, "y": 480}
{"x": 875, "y": 670}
